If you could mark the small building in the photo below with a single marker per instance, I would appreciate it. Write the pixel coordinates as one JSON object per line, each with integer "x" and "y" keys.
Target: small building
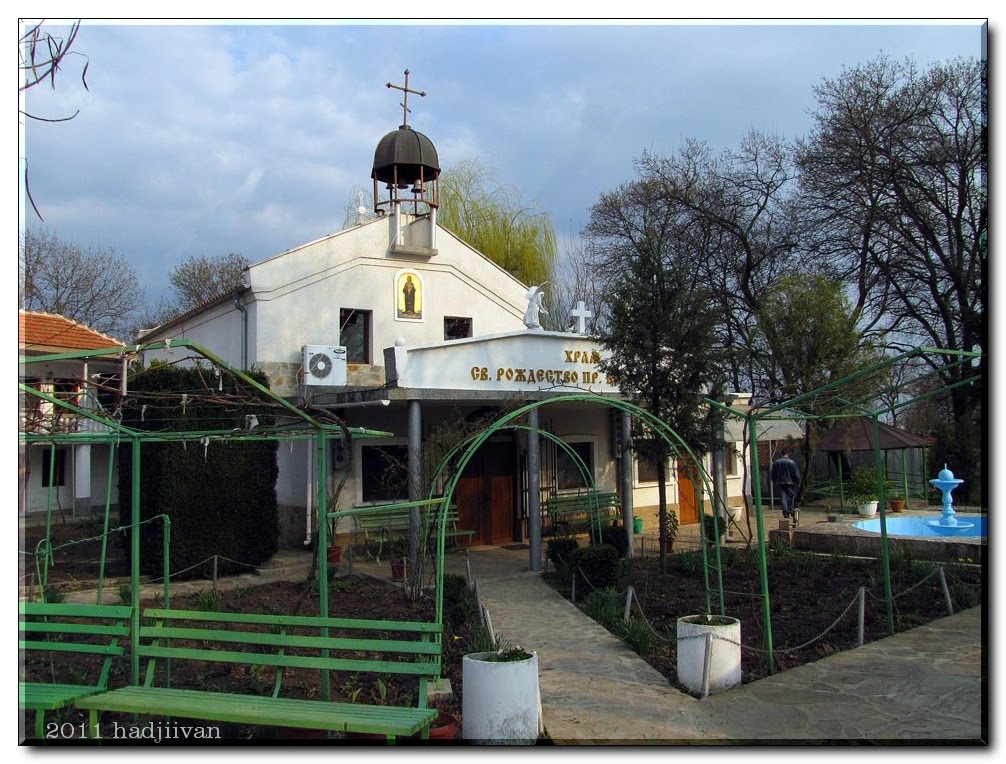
{"x": 74, "y": 476}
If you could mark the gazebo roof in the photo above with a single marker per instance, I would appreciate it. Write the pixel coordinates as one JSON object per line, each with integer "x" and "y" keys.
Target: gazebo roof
{"x": 857, "y": 435}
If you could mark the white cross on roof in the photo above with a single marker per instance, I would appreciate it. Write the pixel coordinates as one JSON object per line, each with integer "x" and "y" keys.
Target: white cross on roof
{"x": 580, "y": 314}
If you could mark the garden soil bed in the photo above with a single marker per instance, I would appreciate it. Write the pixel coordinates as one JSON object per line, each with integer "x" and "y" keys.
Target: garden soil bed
{"x": 808, "y": 595}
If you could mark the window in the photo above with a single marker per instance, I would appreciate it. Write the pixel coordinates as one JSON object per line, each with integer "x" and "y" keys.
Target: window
{"x": 354, "y": 333}
{"x": 58, "y": 474}
{"x": 646, "y": 470}
{"x": 457, "y": 328}
{"x": 731, "y": 459}
{"x": 567, "y": 471}
{"x": 384, "y": 473}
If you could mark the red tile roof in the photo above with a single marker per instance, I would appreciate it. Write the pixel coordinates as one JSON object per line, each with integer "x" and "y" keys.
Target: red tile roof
{"x": 49, "y": 333}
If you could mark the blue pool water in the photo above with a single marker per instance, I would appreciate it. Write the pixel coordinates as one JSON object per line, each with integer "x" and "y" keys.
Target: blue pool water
{"x": 917, "y": 526}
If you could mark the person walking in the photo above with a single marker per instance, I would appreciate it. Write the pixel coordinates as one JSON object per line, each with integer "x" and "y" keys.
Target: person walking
{"x": 785, "y": 476}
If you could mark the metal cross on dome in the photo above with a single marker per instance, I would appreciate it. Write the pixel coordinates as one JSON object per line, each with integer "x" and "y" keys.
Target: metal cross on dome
{"x": 405, "y": 105}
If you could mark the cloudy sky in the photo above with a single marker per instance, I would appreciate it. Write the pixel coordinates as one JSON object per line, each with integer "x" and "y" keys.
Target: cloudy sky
{"x": 202, "y": 139}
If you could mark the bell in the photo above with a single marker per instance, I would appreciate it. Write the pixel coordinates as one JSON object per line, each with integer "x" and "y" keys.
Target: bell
{"x": 418, "y": 188}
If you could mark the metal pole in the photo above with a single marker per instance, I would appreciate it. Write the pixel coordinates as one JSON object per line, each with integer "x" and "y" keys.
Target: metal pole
{"x": 415, "y": 482}
{"x": 946, "y": 591}
{"x": 862, "y": 616}
{"x": 720, "y": 474}
{"x": 707, "y": 664}
{"x": 108, "y": 509}
{"x": 885, "y": 557}
{"x": 321, "y": 469}
{"x": 904, "y": 476}
{"x": 762, "y": 563}
{"x": 134, "y": 568}
{"x": 628, "y": 605}
{"x": 626, "y": 497}
{"x": 534, "y": 491}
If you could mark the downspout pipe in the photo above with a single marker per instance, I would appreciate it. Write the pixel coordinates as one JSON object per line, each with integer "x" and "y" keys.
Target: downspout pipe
{"x": 244, "y": 329}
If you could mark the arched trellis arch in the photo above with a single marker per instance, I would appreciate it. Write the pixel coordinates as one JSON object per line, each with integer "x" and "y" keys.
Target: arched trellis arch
{"x": 679, "y": 447}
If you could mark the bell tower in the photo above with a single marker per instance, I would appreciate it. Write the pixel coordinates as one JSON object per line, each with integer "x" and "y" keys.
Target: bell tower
{"x": 406, "y": 163}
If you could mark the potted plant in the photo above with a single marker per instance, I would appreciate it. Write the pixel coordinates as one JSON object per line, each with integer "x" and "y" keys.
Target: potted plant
{"x": 334, "y": 553}
{"x": 895, "y": 501}
{"x": 398, "y": 551}
{"x": 864, "y": 490}
{"x": 671, "y": 523}
{"x": 721, "y": 669}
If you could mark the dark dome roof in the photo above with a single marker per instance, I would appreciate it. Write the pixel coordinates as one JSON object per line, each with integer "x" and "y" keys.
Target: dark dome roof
{"x": 408, "y": 150}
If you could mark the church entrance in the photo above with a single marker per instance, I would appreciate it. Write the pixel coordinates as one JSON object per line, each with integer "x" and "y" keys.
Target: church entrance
{"x": 486, "y": 494}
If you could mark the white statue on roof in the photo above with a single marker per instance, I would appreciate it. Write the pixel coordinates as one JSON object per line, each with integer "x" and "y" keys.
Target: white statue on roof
{"x": 534, "y": 297}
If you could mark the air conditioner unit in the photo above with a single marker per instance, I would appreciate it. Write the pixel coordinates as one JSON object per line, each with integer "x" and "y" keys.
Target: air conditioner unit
{"x": 324, "y": 365}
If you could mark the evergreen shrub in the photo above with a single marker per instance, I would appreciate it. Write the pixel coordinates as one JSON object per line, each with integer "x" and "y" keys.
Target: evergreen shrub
{"x": 220, "y": 498}
{"x": 598, "y": 562}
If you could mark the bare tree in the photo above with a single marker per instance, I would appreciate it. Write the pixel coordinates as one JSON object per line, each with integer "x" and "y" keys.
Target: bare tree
{"x": 95, "y": 287}
{"x": 897, "y": 167}
{"x": 202, "y": 278}
{"x": 41, "y": 55}
{"x": 577, "y": 278}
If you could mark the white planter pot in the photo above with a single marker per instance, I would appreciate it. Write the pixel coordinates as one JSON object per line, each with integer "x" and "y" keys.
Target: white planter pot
{"x": 867, "y": 509}
{"x": 500, "y": 702}
{"x": 725, "y": 663}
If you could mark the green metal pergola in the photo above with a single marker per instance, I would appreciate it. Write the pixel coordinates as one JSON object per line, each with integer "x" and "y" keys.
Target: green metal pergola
{"x": 303, "y": 427}
{"x": 830, "y": 401}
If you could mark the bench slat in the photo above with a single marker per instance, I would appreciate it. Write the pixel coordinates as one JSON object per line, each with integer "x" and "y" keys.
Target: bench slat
{"x": 293, "y": 620}
{"x": 59, "y": 627}
{"x": 49, "y": 697}
{"x": 69, "y": 647}
{"x": 243, "y": 709}
{"x": 290, "y": 640}
{"x": 74, "y": 610}
{"x": 291, "y": 661}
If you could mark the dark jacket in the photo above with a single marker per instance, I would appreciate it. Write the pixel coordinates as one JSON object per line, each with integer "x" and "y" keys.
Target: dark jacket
{"x": 785, "y": 471}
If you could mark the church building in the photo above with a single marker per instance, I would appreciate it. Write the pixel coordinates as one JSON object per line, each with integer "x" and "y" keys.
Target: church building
{"x": 396, "y": 324}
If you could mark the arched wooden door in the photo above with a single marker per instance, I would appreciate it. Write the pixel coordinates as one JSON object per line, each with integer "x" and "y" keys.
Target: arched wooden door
{"x": 688, "y": 501}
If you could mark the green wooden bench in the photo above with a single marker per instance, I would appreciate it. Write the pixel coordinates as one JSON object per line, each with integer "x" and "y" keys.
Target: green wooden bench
{"x": 379, "y": 527}
{"x": 73, "y": 631}
{"x": 452, "y": 534}
{"x": 410, "y": 648}
{"x": 576, "y": 511}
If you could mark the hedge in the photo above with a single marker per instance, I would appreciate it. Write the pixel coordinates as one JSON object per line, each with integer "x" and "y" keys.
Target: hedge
{"x": 221, "y": 498}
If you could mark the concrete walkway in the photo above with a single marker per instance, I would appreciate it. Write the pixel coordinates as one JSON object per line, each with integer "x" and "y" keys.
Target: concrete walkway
{"x": 920, "y": 685}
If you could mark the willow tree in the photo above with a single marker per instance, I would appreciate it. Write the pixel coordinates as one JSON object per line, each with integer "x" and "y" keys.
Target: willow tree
{"x": 494, "y": 219}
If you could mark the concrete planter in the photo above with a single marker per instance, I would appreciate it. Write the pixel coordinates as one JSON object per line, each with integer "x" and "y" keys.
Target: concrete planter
{"x": 725, "y": 658}
{"x": 500, "y": 703}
